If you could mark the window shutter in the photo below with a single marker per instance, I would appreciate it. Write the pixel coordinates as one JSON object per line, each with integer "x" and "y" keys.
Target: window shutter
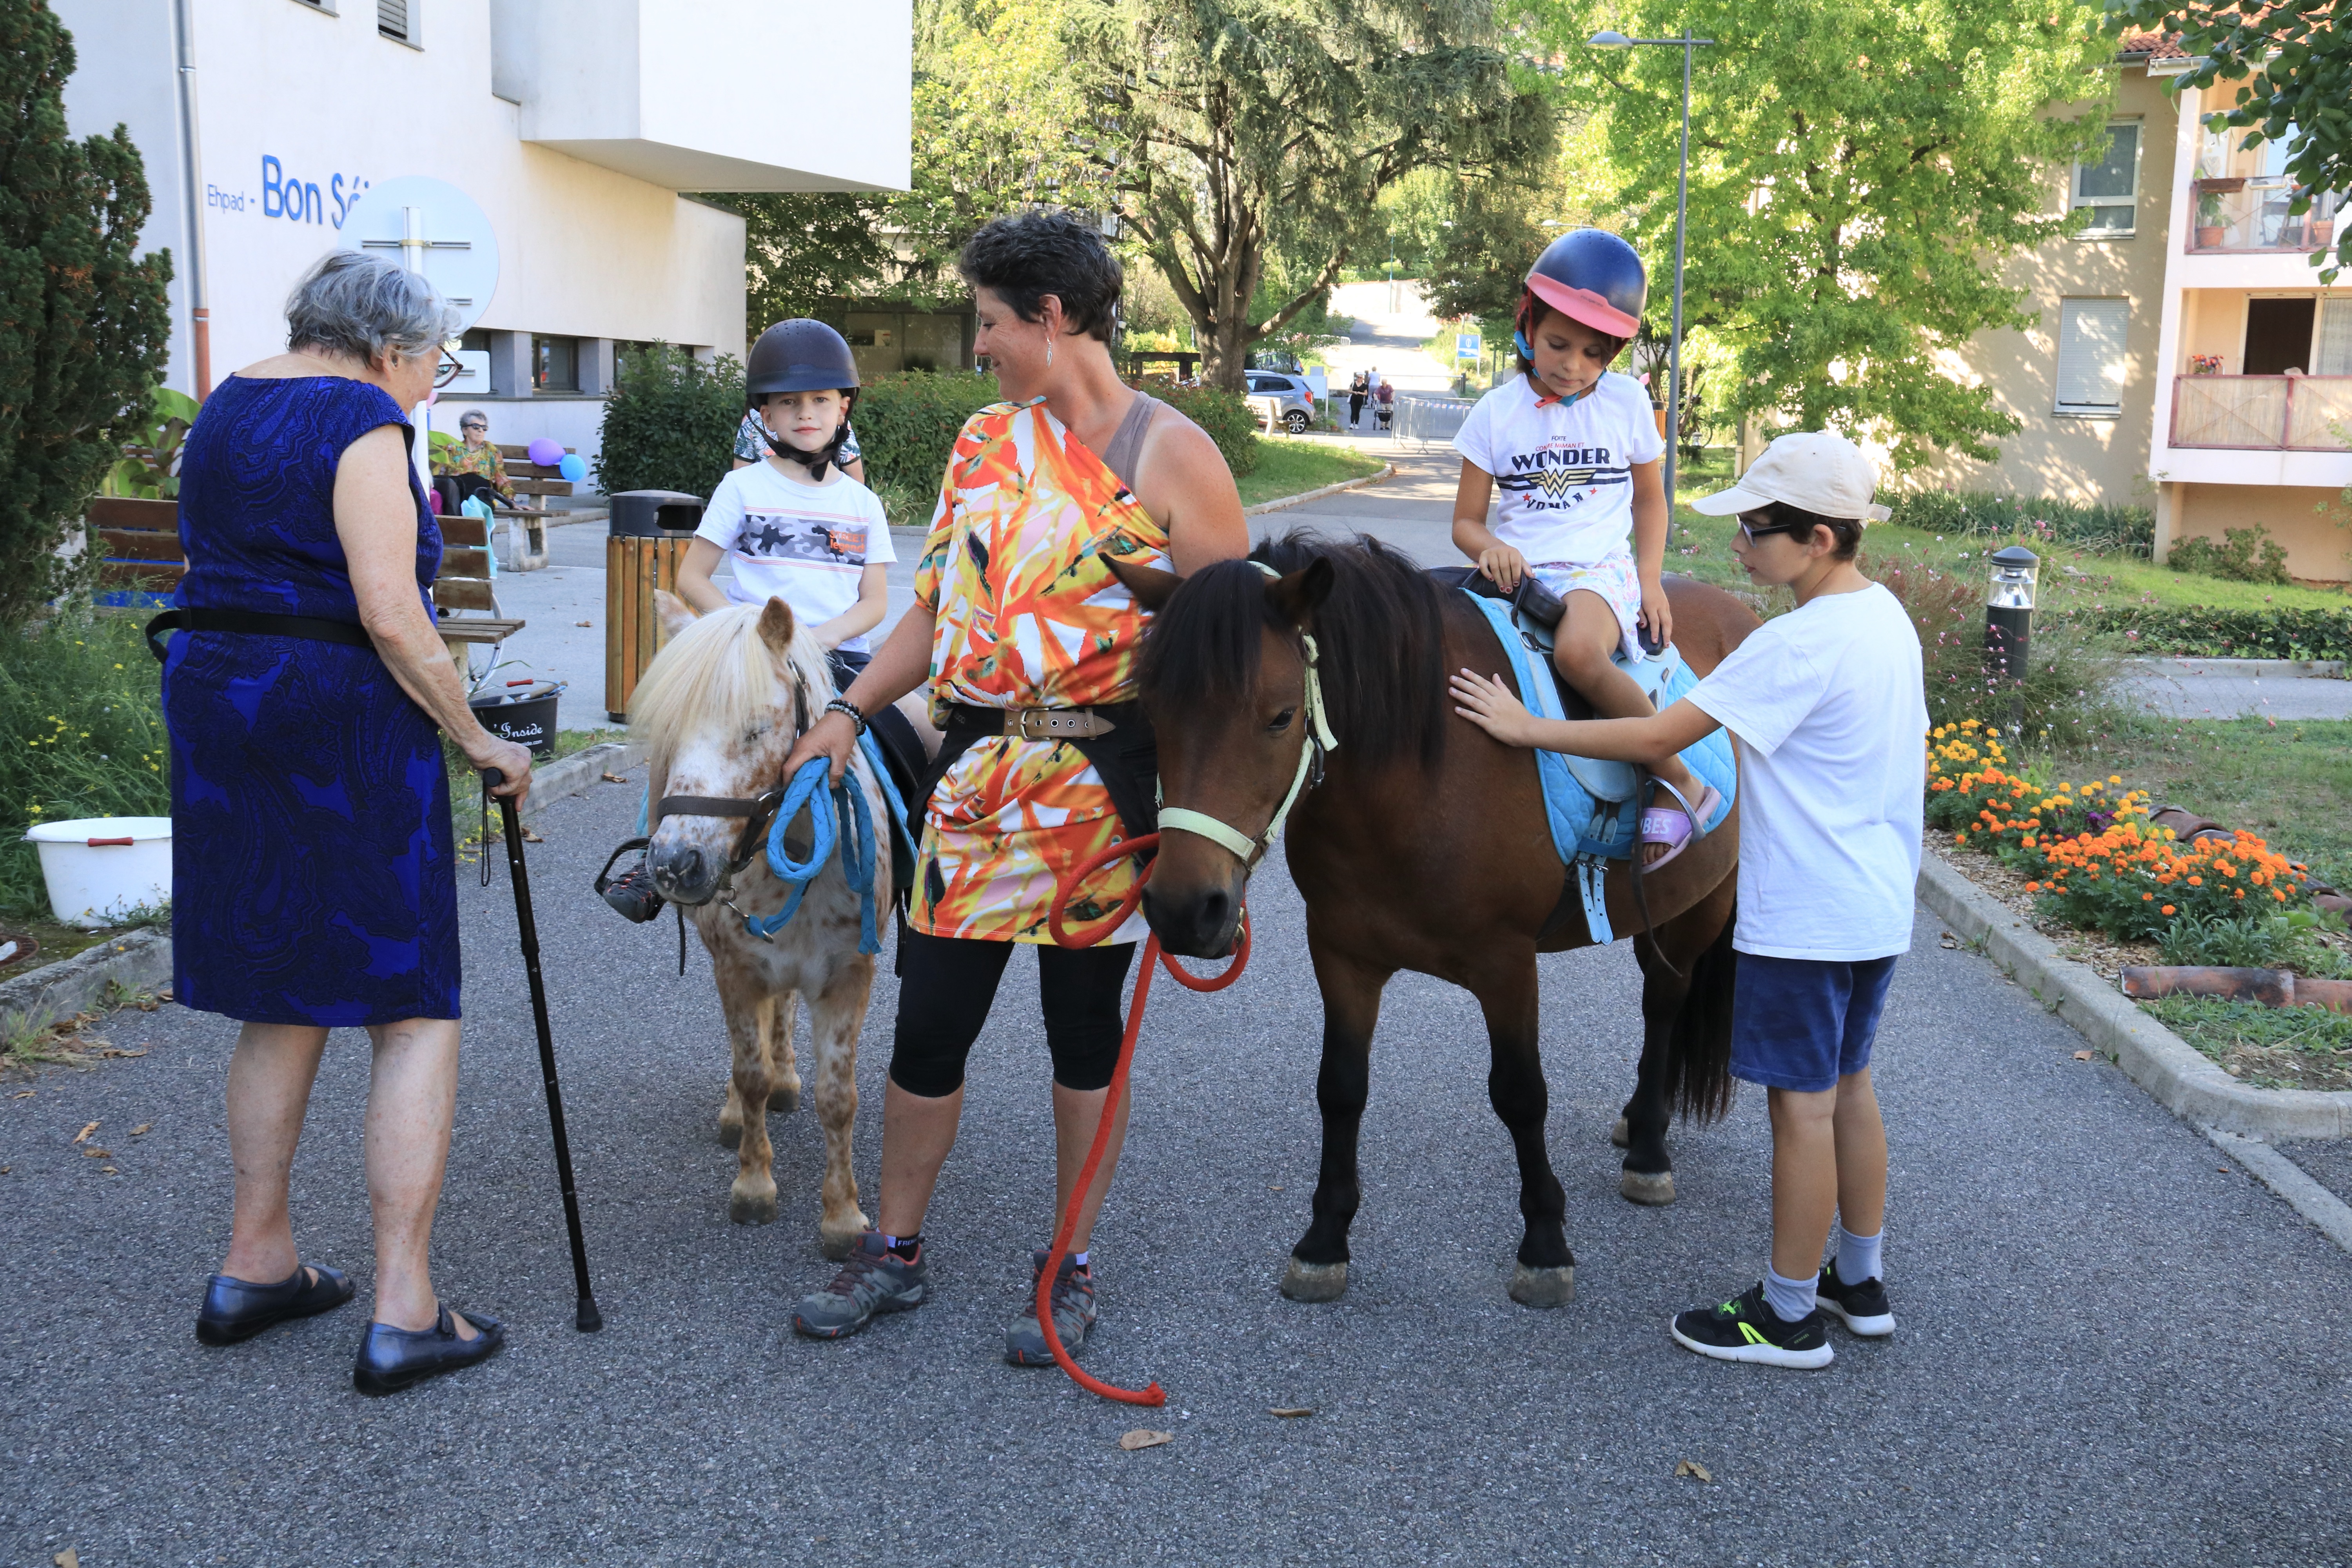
{"x": 2335, "y": 355}
{"x": 391, "y": 18}
{"x": 2091, "y": 353}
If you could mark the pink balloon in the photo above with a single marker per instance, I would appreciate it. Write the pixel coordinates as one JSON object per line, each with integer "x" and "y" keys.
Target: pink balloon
{"x": 546, "y": 453}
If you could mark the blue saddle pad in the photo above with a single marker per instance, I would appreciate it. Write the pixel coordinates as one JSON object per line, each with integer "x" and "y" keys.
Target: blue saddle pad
{"x": 1571, "y": 807}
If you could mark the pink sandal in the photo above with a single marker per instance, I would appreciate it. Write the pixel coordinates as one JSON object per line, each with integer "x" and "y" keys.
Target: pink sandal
{"x": 1676, "y": 825}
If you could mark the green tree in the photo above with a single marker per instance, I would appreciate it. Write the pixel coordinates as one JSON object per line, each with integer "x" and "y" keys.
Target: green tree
{"x": 84, "y": 320}
{"x": 1860, "y": 169}
{"x": 2292, "y": 60}
{"x": 670, "y": 424}
{"x": 1237, "y": 130}
{"x": 801, "y": 250}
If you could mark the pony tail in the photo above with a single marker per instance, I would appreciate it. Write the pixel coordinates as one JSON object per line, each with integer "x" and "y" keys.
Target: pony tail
{"x": 1698, "y": 1084}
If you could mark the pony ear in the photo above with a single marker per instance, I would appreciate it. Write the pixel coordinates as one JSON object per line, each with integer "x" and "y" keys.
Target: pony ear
{"x": 1296, "y": 597}
{"x": 1151, "y": 585}
{"x": 776, "y": 628}
{"x": 673, "y": 613}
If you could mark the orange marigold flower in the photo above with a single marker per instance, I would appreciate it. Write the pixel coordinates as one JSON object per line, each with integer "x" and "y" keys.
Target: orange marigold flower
{"x": 2279, "y": 896}
{"x": 2196, "y": 882}
{"x": 2147, "y": 898}
{"x": 2033, "y": 887}
{"x": 2167, "y": 908}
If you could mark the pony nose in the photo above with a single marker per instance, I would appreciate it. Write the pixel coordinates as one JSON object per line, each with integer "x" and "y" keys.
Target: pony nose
{"x": 681, "y": 873}
{"x": 1201, "y": 926}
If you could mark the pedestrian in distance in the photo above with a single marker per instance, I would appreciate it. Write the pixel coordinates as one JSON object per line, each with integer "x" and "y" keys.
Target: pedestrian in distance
{"x": 1575, "y": 453}
{"x": 1826, "y": 707}
{"x": 1029, "y": 644}
{"x": 1358, "y": 387}
{"x": 312, "y": 870}
{"x": 797, "y": 525}
{"x": 1385, "y": 397}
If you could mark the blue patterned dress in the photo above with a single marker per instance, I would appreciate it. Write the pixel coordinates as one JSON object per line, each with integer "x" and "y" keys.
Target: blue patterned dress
{"x": 313, "y": 874}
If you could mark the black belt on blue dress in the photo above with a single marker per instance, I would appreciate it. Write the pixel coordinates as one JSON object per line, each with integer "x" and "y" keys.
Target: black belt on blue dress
{"x": 252, "y": 623}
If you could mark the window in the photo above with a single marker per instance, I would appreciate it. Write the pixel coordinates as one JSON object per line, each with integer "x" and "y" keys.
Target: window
{"x": 2110, "y": 187}
{"x": 324, "y": 8}
{"x": 628, "y": 354}
{"x": 2091, "y": 360}
{"x": 555, "y": 364}
{"x": 395, "y": 20}
{"x": 2333, "y": 355}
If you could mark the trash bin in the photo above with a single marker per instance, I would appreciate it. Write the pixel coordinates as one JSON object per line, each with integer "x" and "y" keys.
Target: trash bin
{"x": 649, "y": 531}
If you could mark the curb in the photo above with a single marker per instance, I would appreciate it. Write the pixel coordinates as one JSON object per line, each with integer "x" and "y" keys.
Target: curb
{"x": 576, "y": 773}
{"x": 1279, "y": 502}
{"x": 2281, "y": 1175}
{"x": 142, "y": 958}
{"x": 2150, "y": 1055}
{"x": 2176, "y": 664}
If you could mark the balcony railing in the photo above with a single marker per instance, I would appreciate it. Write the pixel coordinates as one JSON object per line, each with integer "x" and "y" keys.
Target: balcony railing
{"x": 2251, "y": 215}
{"x": 2263, "y": 413}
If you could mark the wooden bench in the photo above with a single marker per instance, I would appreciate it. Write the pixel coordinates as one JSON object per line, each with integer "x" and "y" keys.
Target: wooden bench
{"x": 142, "y": 559}
{"x": 463, "y": 583}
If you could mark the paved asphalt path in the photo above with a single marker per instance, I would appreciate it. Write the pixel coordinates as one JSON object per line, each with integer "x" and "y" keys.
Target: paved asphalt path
{"x": 2116, "y": 1348}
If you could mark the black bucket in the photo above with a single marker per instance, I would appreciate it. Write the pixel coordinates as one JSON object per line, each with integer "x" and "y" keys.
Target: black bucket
{"x": 522, "y": 711}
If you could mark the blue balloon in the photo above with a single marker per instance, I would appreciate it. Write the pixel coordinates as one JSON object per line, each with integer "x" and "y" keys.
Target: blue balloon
{"x": 573, "y": 466}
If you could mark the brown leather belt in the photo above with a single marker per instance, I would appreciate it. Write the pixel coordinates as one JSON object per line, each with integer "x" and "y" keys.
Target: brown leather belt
{"x": 1033, "y": 723}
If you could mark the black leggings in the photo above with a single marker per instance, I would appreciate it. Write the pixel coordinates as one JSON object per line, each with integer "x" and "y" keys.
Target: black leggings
{"x": 947, "y": 983}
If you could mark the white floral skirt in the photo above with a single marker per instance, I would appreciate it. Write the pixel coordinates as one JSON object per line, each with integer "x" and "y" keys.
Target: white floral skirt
{"x": 1613, "y": 578}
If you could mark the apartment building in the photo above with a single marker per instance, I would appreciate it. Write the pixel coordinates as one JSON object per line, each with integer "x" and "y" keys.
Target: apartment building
{"x": 580, "y": 127}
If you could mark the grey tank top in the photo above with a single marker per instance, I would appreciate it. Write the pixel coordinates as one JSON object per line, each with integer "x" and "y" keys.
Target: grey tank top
{"x": 1126, "y": 447}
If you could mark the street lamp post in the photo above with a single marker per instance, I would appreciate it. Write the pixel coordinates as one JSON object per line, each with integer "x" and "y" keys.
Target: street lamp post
{"x": 1612, "y": 40}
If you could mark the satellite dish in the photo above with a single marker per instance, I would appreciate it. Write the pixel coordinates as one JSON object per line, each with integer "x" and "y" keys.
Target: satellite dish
{"x": 430, "y": 226}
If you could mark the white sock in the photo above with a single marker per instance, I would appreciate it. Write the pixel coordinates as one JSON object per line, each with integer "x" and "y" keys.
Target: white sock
{"x": 1789, "y": 1298}
{"x": 1078, "y": 1259}
{"x": 1857, "y": 1256}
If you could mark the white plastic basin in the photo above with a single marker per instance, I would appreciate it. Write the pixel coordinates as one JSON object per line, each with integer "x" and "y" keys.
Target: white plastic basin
{"x": 99, "y": 869}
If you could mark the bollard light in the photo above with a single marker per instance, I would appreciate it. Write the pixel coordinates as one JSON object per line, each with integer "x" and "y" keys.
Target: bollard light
{"x": 2008, "y": 623}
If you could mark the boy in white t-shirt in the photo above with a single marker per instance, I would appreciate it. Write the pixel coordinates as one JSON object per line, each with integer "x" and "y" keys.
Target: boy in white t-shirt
{"x": 1829, "y": 717}
{"x": 1574, "y": 449}
{"x": 795, "y": 526}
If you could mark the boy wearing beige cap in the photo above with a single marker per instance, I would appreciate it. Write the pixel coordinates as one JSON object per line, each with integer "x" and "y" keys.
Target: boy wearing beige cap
{"x": 1829, "y": 713}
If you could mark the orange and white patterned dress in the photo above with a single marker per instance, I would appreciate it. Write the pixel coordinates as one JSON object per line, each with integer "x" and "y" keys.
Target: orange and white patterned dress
{"x": 1028, "y": 616}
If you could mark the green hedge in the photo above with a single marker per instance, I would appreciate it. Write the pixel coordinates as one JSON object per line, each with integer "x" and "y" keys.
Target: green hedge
{"x": 2230, "y": 634}
{"x": 2119, "y": 530}
{"x": 907, "y": 427}
{"x": 1227, "y": 417}
{"x": 670, "y": 424}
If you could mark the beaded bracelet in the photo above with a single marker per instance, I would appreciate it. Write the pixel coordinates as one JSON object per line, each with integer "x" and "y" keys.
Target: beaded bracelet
{"x": 844, "y": 706}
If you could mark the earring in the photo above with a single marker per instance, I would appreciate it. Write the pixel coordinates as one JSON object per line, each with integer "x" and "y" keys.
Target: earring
{"x": 1049, "y": 350}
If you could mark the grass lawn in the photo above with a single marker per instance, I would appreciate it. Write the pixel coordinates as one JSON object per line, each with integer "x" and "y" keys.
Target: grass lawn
{"x": 1289, "y": 468}
{"x": 2071, "y": 579}
{"x": 2287, "y": 782}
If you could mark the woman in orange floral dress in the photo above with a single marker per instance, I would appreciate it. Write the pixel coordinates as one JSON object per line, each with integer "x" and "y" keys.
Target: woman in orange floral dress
{"x": 1029, "y": 644}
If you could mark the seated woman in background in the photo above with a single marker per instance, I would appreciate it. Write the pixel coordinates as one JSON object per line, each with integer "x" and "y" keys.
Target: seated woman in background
{"x": 478, "y": 465}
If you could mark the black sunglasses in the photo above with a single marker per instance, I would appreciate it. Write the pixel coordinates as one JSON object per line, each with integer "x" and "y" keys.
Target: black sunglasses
{"x": 1752, "y": 535}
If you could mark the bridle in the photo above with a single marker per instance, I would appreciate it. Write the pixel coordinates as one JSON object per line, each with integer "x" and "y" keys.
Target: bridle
{"x": 1319, "y": 745}
{"x": 758, "y": 813}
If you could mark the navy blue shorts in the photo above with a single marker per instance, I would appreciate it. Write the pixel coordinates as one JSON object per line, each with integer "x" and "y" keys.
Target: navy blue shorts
{"x": 1804, "y": 1023}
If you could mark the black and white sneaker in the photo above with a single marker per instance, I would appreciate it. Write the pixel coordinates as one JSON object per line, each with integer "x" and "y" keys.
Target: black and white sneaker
{"x": 1747, "y": 1328}
{"x": 1862, "y": 1308}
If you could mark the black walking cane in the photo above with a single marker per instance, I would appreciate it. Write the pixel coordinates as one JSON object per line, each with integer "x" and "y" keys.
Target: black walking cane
{"x": 590, "y": 1319}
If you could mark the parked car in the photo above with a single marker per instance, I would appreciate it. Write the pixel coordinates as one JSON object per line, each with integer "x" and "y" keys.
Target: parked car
{"x": 1282, "y": 398}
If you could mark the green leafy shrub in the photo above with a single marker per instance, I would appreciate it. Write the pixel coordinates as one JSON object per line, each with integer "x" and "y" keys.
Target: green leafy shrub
{"x": 2245, "y": 555}
{"x": 81, "y": 735}
{"x": 669, "y": 423}
{"x": 906, "y": 427}
{"x": 2115, "y": 530}
{"x": 2065, "y": 683}
{"x": 150, "y": 467}
{"x": 2229, "y": 634}
{"x": 2283, "y": 939}
{"x": 1226, "y": 415}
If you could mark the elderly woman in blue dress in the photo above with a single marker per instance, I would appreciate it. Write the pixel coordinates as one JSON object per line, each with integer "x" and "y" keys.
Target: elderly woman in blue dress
{"x": 313, "y": 873}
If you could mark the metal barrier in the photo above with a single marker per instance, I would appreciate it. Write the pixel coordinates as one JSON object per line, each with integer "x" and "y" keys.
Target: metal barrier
{"x": 1430, "y": 421}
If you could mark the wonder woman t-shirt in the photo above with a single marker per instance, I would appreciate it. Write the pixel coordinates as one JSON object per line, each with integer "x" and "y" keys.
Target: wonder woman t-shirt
{"x": 1563, "y": 471}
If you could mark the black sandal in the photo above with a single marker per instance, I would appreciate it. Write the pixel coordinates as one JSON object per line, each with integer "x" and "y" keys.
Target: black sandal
{"x": 237, "y": 1309}
{"x": 391, "y": 1359}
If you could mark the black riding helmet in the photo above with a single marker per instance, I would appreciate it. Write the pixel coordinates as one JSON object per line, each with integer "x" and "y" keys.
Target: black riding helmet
{"x": 803, "y": 355}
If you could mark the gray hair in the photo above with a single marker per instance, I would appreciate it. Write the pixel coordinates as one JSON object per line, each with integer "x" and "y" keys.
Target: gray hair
{"x": 361, "y": 306}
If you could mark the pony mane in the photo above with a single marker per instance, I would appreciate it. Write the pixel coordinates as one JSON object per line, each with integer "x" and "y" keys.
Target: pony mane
{"x": 1380, "y": 637}
{"x": 717, "y": 674}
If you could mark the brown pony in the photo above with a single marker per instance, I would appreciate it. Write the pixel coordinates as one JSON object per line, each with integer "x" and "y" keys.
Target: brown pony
{"x": 1424, "y": 846}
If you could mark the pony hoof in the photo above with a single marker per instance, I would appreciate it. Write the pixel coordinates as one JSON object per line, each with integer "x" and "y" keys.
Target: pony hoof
{"x": 837, "y": 1244}
{"x": 751, "y": 1208}
{"x": 1621, "y": 1136}
{"x": 730, "y": 1134}
{"x": 1655, "y": 1189}
{"x": 1304, "y": 1281}
{"x": 783, "y": 1102}
{"x": 1543, "y": 1287}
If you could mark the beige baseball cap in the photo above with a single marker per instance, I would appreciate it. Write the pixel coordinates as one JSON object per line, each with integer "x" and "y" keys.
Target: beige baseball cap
{"x": 1818, "y": 471}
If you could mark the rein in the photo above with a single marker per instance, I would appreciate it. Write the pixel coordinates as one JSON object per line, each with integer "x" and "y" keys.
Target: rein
{"x": 1319, "y": 745}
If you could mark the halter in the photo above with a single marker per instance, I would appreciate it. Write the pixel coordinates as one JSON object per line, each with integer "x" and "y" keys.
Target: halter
{"x": 758, "y": 811}
{"x": 1318, "y": 745}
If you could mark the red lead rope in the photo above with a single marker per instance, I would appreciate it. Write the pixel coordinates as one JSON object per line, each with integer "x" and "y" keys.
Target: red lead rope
{"x": 1152, "y": 955}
